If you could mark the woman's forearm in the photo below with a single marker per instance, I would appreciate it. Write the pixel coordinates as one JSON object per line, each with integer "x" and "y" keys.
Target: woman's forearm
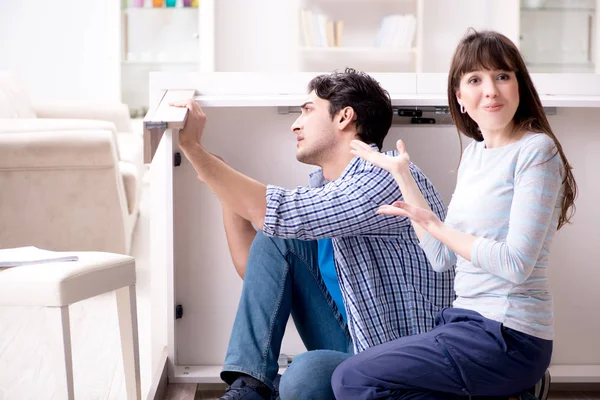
{"x": 411, "y": 195}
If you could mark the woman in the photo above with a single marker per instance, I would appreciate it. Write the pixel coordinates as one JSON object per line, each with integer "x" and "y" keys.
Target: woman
{"x": 514, "y": 190}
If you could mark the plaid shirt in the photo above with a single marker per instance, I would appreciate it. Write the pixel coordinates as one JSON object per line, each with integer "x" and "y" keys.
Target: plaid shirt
{"x": 388, "y": 286}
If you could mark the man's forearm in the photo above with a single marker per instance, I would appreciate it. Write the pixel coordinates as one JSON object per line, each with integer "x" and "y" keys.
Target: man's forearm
{"x": 243, "y": 195}
{"x": 240, "y": 234}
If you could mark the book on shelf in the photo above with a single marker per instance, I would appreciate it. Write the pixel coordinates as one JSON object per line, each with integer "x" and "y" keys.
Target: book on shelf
{"x": 30, "y": 255}
{"x": 396, "y": 32}
{"x": 319, "y": 31}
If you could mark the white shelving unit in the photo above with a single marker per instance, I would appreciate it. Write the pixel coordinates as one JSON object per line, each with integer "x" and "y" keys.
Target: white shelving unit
{"x": 439, "y": 26}
{"x": 168, "y": 39}
{"x": 364, "y": 45}
{"x": 560, "y": 35}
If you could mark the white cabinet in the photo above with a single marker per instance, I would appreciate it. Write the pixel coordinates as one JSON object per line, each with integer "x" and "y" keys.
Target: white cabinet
{"x": 249, "y": 123}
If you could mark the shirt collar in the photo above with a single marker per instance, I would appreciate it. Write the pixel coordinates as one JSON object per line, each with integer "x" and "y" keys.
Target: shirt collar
{"x": 317, "y": 180}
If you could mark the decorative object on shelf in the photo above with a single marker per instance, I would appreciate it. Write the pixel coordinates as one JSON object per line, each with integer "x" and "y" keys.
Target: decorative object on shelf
{"x": 195, "y": 3}
{"x": 187, "y": 3}
{"x": 157, "y": 3}
{"x": 170, "y": 3}
{"x": 137, "y": 3}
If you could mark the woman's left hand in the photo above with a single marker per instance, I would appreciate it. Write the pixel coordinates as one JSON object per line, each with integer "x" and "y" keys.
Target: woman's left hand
{"x": 425, "y": 218}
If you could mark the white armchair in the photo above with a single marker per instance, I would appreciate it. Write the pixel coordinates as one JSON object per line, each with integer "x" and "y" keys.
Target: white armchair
{"x": 69, "y": 175}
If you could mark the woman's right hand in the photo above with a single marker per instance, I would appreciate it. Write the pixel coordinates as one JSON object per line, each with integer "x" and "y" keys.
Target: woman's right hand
{"x": 392, "y": 164}
{"x": 426, "y": 219}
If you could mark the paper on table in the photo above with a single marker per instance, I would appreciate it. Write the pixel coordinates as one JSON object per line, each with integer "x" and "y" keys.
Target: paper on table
{"x": 31, "y": 255}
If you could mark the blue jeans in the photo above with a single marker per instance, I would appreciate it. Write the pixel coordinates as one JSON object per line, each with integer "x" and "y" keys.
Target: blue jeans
{"x": 282, "y": 278}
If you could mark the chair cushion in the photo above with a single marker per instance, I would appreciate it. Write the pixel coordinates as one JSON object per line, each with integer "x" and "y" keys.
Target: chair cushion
{"x": 14, "y": 102}
{"x": 63, "y": 283}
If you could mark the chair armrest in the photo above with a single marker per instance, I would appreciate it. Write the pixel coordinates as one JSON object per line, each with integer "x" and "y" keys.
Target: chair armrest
{"x": 69, "y": 149}
{"x": 116, "y": 113}
{"x": 33, "y": 125}
{"x": 63, "y": 190}
{"x": 53, "y": 124}
{"x": 129, "y": 173}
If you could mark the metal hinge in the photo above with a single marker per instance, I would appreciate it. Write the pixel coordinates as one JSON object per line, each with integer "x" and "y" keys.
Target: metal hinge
{"x": 178, "y": 311}
{"x": 155, "y": 125}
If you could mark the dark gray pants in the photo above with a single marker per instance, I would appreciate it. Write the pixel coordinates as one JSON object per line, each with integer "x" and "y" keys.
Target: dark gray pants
{"x": 464, "y": 355}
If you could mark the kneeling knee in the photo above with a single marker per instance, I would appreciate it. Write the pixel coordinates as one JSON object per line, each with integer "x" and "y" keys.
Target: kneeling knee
{"x": 309, "y": 376}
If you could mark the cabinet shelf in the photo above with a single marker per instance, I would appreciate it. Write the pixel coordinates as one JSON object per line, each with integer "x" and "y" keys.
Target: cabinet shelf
{"x": 156, "y": 62}
{"x": 369, "y": 55}
{"x": 365, "y": 2}
{"x": 158, "y": 9}
{"x": 363, "y": 51}
{"x": 558, "y": 9}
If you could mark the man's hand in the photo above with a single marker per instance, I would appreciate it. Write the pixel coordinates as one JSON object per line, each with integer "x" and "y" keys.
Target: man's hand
{"x": 191, "y": 133}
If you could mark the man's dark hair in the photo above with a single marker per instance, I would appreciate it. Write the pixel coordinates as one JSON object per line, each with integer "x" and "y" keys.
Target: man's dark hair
{"x": 371, "y": 103}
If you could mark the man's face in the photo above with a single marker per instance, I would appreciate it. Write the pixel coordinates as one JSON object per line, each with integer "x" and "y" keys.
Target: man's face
{"x": 315, "y": 131}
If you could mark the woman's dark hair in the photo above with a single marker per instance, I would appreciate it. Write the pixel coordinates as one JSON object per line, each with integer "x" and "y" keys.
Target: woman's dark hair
{"x": 491, "y": 50}
{"x": 370, "y": 102}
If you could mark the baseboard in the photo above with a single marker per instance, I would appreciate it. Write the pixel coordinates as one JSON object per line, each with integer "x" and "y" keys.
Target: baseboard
{"x": 575, "y": 373}
{"x": 158, "y": 389}
{"x": 575, "y": 387}
{"x": 202, "y": 374}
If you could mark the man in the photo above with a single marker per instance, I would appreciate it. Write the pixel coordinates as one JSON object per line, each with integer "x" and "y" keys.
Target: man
{"x": 386, "y": 287}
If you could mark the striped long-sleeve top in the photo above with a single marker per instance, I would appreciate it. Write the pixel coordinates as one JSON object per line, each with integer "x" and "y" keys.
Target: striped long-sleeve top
{"x": 510, "y": 198}
{"x": 388, "y": 286}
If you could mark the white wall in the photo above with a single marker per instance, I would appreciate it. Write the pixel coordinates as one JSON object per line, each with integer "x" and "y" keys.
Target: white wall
{"x": 65, "y": 50}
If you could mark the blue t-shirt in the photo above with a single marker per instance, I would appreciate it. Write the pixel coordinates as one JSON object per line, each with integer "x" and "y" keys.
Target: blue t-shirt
{"x": 327, "y": 267}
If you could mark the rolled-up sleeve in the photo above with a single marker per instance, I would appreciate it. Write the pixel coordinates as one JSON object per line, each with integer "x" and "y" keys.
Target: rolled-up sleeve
{"x": 346, "y": 207}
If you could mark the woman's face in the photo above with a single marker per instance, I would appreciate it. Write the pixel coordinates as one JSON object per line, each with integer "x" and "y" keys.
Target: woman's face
{"x": 490, "y": 97}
